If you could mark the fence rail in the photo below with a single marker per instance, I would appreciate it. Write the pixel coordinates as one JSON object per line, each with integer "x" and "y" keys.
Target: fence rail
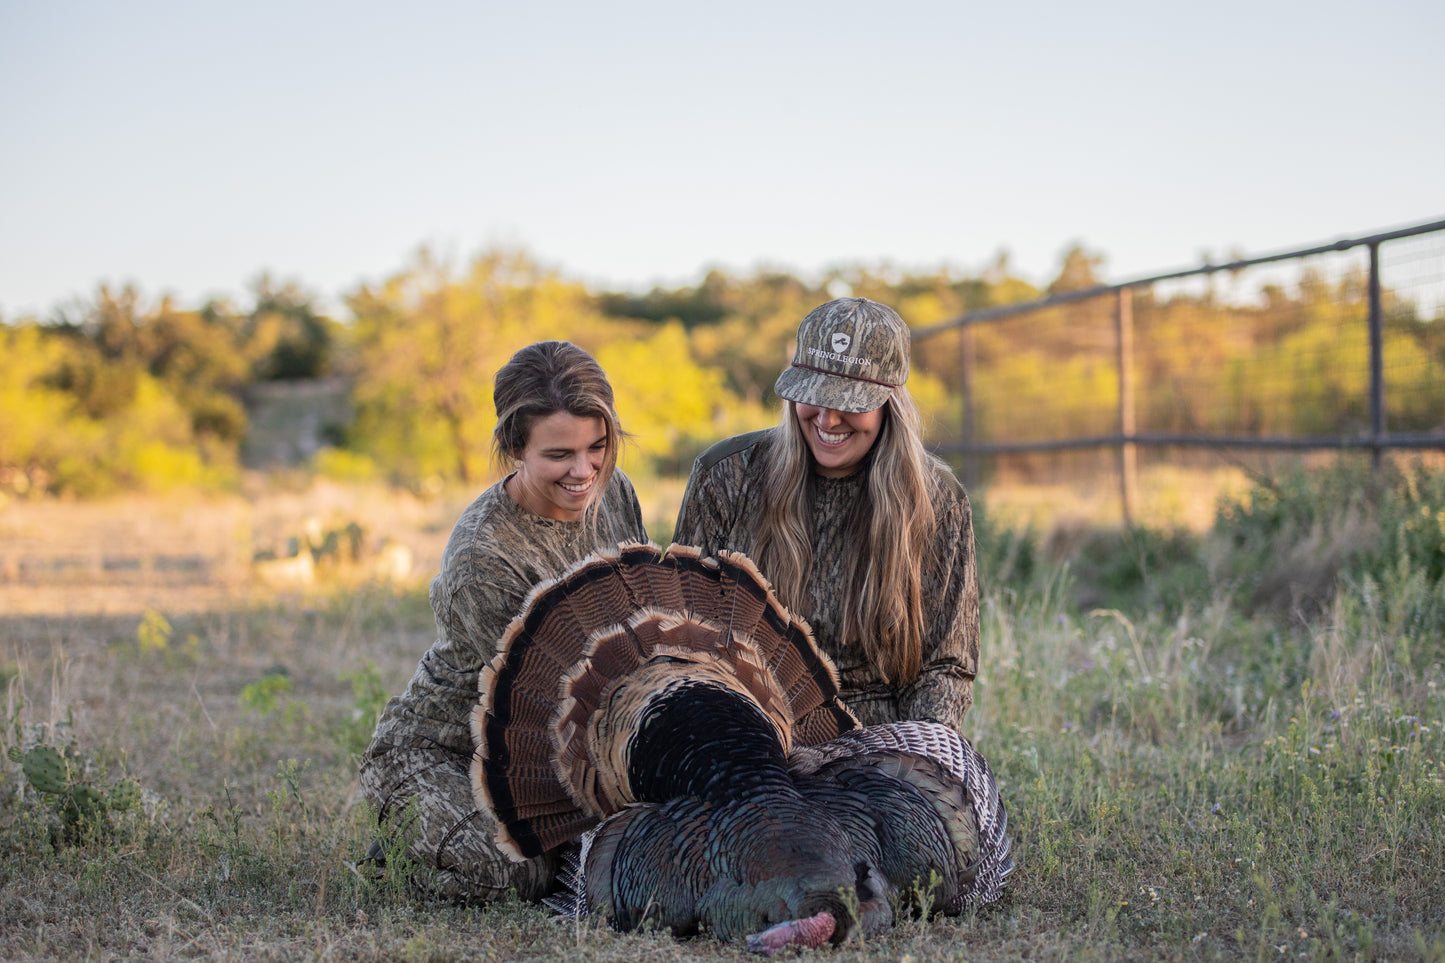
{"x": 1337, "y": 339}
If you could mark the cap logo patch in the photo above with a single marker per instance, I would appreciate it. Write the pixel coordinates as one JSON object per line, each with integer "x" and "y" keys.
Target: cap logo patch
{"x": 841, "y": 342}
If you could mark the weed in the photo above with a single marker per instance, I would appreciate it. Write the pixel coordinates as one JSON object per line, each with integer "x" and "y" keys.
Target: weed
{"x": 154, "y": 632}
{"x": 154, "y": 640}
{"x": 271, "y": 694}
{"x": 369, "y": 695}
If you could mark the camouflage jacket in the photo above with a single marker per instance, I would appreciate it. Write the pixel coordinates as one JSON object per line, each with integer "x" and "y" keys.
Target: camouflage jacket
{"x": 496, "y": 553}
{"x": 722, "y": 509}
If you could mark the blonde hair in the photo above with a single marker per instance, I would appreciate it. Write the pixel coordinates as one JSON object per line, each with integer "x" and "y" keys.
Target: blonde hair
{"x": 543, "y": 379}
{"x": 883, "y": 573}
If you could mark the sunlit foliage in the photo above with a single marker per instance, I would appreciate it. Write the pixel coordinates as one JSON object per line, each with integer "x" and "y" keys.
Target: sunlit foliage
{"x": 88, "y": 416}
{"x": 671, "y": 406}
{"x": 427, "y": 345}
{"x": 33, "y": 412}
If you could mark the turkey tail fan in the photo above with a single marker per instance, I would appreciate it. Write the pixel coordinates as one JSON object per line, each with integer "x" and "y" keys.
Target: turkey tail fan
{"x": 826, "y": 721}
{"x": 653, "y": 577}
{"x": 572, "y": 664}
{"x": 513, "y": 770}
{"x": 605, "y": 698}
{"x": 730, "y": 591}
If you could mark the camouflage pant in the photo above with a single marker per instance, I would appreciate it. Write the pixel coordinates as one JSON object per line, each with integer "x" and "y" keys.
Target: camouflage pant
{"x": 450, "y": 840}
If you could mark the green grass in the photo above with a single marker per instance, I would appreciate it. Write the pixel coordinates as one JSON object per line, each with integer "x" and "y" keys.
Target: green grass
{"x": 1195, "y": 769}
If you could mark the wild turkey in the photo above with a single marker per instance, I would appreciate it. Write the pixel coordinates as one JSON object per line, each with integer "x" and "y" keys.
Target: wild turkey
{"x": 670, "y": 714}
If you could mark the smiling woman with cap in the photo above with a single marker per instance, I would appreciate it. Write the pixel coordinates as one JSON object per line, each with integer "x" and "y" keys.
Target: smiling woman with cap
{"x": 860, "y": 530}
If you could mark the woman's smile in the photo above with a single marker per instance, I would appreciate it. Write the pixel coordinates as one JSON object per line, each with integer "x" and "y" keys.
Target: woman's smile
{"x": 839, "y": 440}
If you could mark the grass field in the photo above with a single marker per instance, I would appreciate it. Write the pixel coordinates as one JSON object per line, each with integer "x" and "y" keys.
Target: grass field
{"x": 1229, "y": 746}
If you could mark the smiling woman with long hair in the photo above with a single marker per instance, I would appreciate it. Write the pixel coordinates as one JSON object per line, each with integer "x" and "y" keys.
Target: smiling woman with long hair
{"x": 860, "y": 530}
{"x": 563, "y": 500}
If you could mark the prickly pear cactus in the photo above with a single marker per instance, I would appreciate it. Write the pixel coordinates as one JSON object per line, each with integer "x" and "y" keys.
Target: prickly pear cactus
{"x": 124, "y": 795}
{"x": 80, "y": 804}
{"x": 86, "y": 800}
{"x": 47, "y": 770}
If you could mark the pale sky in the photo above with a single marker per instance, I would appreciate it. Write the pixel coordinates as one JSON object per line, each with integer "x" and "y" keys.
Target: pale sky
{"x": 186, "y": 147}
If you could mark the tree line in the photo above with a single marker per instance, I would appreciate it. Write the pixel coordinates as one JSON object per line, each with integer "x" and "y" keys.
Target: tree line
{"x": 115, "y": 394}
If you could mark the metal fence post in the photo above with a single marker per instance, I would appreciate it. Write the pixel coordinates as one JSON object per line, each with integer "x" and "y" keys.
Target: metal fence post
{"x": 1128, "y": 454}
{"x": 966, "y": 427}
{"x": 1377, "y": 360}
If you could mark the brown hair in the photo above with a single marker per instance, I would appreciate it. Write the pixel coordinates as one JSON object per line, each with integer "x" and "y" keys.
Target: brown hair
{"x": 543, "y": 379}
{"x": 894, "y": 519}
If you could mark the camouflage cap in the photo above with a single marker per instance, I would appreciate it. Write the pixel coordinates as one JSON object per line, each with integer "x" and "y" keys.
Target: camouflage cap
{"x": 851, "y": 354}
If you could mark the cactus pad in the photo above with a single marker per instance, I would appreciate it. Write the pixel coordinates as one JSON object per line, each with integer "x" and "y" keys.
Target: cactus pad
{"x": 46, "y": 769}
{"x": 124, "y": 795}
{"x": 88, "y": 800}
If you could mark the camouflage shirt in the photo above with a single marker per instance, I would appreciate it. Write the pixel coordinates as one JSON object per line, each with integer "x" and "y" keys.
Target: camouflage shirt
{"x": 496, "y": 553}
{"x": 417, "y": 770}
{"x": 722, "y": 509}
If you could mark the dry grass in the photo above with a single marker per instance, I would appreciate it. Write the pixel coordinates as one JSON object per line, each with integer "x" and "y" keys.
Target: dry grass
{"x": 190, "y": 552}
{"x": 1169, "y": 497}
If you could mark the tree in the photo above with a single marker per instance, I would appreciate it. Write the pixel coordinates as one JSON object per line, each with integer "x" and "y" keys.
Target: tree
{"x": 428, "y": 345}
{"x": 285, "y": 338}
{"x": 669, "y": 419}
{"x": 81, "y": 423}
{"x": 1080, "y": 270}
{"x": 33, "y": 411}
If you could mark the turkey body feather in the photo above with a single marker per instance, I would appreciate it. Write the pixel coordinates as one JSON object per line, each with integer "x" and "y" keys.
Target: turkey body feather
{"x": 670, "y": 714}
